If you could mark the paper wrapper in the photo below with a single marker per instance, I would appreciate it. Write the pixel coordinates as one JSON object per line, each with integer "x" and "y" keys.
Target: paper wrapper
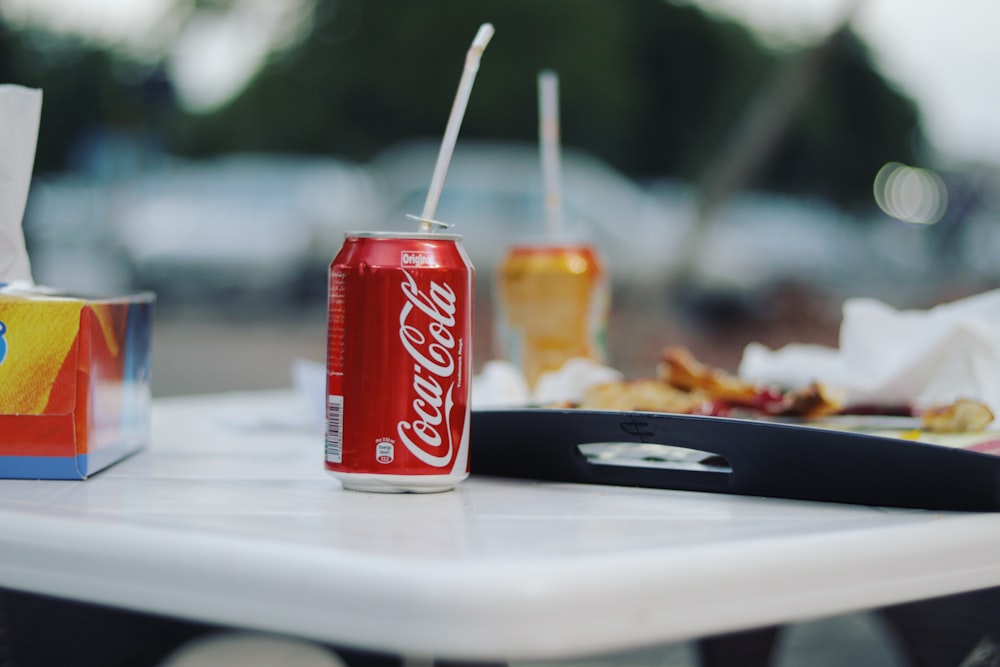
{"x": 501, "y": 384}
{"x": 20, "y": 113}
{"x": 887, "y": 356}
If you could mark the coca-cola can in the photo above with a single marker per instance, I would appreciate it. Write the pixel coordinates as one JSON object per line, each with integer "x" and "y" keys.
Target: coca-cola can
{"x": 399, "y": 357}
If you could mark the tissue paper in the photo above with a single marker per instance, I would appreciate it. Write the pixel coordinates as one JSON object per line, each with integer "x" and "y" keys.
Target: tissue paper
{"x": 888, "y": 356}
{"x": 502, "y": 384}
{"x": 20, "y": 113}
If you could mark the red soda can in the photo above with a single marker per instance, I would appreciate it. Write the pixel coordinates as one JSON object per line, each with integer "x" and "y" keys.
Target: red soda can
{"x": 399, "y": 358}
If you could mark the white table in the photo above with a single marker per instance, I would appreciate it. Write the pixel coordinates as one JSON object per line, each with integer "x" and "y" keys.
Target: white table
{"x": 229, "y": 518}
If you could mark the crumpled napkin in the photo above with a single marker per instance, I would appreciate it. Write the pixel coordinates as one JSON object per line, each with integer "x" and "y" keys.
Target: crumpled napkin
{"x": 888, "y": 356}
{"x": 501, "y": 384}
{"x": 20, "y": 112}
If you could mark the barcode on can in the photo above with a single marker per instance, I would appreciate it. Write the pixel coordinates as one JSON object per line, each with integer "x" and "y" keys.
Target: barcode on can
{"x": 335, "y": 429}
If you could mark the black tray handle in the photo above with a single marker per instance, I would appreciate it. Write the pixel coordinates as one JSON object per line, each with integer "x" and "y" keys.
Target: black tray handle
{"x": 766, "y": 459}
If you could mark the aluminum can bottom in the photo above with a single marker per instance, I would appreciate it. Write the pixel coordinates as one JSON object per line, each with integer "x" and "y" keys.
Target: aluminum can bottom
{"x": 373, "y": 483}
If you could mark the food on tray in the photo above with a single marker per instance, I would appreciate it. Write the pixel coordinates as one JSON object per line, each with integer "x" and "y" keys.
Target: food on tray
{"x": 962, "y": 416}
{"x": 679, "y": 368}
{"x": 649, "y": 395}
{"x": 687, "y": 386}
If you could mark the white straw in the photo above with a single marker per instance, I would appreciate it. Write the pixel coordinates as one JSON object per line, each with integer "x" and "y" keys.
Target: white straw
{"x": 454, "y": 123}
{"x": 548, "y": 139}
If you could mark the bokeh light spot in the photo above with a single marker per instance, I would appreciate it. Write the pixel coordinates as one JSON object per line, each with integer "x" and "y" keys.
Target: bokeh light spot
{"x": 910, "y": 194}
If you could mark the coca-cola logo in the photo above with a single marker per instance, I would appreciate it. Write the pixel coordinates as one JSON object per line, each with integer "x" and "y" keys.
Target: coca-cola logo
{"x": 428, "y": 436}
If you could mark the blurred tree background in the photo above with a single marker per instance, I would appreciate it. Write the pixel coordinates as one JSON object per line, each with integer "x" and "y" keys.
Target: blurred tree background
{"x": 655, "y": 88}
{"x": 662, "y": 90}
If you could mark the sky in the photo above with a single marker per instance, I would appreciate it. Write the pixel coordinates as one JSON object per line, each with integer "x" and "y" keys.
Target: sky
{"x": 943, "y": 53}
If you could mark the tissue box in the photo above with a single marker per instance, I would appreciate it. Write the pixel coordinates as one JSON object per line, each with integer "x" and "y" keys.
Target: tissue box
{"x": 74, "y": 382}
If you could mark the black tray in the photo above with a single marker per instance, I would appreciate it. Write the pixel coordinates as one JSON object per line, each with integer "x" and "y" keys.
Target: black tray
{"x": 750, "y": 458}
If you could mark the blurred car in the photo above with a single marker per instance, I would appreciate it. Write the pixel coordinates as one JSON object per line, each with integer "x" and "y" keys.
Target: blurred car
{"x": 69, "y": 236}
{"x": 760, "y": 254}
{"x": 248, "y": 225}
{"x": 758, "y": 240}
{"x": 646, "y": 233}
{"x": 493, "y": 196}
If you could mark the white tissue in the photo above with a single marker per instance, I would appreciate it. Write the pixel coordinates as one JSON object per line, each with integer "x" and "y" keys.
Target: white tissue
{"x": 20, "y": 113}
{"x": 571, "y": 381}
{"x": 501, "y": 384}
{"x": 886, "y": 356}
